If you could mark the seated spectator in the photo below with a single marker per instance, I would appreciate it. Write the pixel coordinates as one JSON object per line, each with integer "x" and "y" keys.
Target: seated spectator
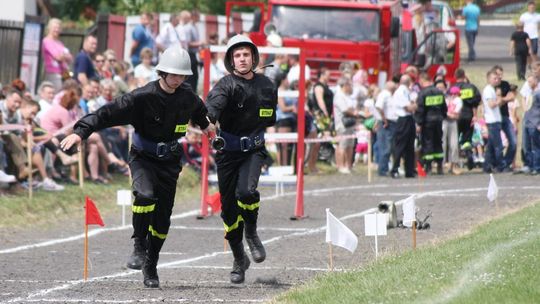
{"x": 59, "y": 119}
{"x": 46, "y": 95}
{"x": 108, "y": 65}
{"x": 145, "y": 71}
{"x": 120, "y": 78}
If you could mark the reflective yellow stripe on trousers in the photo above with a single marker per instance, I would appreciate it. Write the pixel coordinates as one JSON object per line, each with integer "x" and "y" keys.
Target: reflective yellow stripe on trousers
{"x": 143, "y": 209}
{"x": 235, "y": 225}
{"x": 248, "y": 207}
{"x": 157, "y": 234}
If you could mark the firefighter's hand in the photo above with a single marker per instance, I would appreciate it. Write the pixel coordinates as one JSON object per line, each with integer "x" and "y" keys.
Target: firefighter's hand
{"x": 69, "y": 141}
{"x": 211, "y": 129}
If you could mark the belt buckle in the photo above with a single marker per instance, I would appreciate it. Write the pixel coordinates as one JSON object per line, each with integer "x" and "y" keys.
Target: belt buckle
{"x": 244, "y": 143}
{"x": 257, "y": 140}
{"x": 161, "y": 149}
{"x": 173, "y": 146}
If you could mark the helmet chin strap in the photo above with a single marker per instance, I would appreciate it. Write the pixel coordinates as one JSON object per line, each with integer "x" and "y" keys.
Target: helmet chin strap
{"x": 245, "y": 73}
{"x": 166, "y": 83}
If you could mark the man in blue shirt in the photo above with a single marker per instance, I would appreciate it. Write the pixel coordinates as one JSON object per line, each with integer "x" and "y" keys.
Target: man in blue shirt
{"x": 84, "y": 68}
{"x": 471, "y": 13}
{"x": 142, "y": 37}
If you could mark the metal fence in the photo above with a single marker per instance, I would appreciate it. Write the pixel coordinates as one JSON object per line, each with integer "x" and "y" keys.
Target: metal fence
{"x": 11, "y": 39}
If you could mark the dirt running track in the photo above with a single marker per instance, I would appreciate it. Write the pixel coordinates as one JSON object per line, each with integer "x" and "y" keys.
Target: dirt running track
{"x": 46, "y": 265}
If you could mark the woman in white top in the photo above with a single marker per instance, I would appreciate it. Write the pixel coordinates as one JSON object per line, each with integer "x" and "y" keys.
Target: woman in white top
{"x": 344, "y": 107}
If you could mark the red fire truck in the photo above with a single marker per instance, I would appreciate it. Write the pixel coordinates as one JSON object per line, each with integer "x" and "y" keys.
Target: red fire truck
{"x": 380, "y": 35}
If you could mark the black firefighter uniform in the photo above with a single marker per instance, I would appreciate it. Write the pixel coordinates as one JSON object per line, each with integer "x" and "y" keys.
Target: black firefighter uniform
{"x": 159, "y": 120}
{"x": 429, "y": 116}
{"x": 244, "y": 109}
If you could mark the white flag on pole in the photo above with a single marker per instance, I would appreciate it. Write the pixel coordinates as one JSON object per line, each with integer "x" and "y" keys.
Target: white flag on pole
{"x": 409, "y": 211}
{"x": 493, "y": 190}
{"x": 338, "y": 234}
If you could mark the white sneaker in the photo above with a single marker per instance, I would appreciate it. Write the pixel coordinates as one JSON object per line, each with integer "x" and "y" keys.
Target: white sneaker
{"x": 6, "y": 178}
{"x": 344, "y": 171}
{"x": 49, "y": 185}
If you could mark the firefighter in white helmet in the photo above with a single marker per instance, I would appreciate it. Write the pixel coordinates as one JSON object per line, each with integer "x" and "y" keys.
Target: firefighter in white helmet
{"x": 159, "y": 112}
{"x": 244, "y": 103}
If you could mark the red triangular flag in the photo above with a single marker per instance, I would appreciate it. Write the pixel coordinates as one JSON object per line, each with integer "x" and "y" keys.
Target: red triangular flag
{"x": 92, "y": 213}
{"x": 420, "y": 169}
{"x": 214, "y": 201}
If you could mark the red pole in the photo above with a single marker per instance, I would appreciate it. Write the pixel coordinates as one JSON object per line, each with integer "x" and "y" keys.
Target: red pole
{"x": 299, "y": 209}
{"x": 205, "y": 147}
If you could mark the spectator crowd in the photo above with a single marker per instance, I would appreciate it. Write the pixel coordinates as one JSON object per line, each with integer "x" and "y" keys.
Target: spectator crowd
{"x": 476, "y": 127}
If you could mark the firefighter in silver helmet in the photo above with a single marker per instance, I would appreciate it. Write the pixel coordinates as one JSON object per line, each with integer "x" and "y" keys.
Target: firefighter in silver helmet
{"x": 244, "y": 103}
{"x": 159, "y": 112}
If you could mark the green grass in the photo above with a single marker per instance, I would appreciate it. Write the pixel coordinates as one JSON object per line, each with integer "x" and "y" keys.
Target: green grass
{"x": 17, "y": 210}
{"x": 498, "y": 262}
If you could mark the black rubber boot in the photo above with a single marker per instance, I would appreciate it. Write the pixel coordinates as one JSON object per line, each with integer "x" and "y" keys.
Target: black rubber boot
{"x": 240, "y": 265}
{"x": 149, "y": 270}
{"x": 136, "y": 259}
{"x": 427, "y": 166}
{"x": 254, "y": 242}
{"x": 440, "y": 167}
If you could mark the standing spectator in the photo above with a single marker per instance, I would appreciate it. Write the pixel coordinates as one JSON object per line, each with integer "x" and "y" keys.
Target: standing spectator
{"x": 532, "y": 134}
{"x": 286, "y": 119}
{"x": 345, "y": 110}
{"x": 55, "y": 55}
{"x": 294, "y": 70}
{"x": 470, "y": 95}
{"x": 323, "y": 97}
{"x": 84, "y": 68}
{"x": 506, "y": 123}
{"x": 405, "y": 128}
{"x": 527, "y": 99}
{"x": 385, "y": 133}
{"x": 492, "y": 99}
{"x": 145, "y": 71}
{"x": 450, "y": 129}
{"x": 520, "y": 48}
{"x": 142, "y": 38}
{"x": 530, "y": 20}
{"x": 471, "y": 13}
{"x": 168, "y": 36}
{"x": 189, "y": 30}
{"x": 429, "y": 116}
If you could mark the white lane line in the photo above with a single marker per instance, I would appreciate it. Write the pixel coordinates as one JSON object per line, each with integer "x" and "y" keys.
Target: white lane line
{"x": 91, "y": 233}
{"x": 196, "y": 212}
{"x": 151, "y": 300}
{"x": 214, "y": 254}
{"x": 220, "y": 228}
{"x": 256, "y": 268}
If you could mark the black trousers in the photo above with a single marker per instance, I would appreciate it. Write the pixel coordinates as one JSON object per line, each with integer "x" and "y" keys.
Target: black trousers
{"x": 432, "y": 141}
{"x": 238, "y": 178}
{"x": 193, "y": 80}
{"x": 154, "y": 188}
{"x": 465, "y": 130}
{"x": 404, "y": 145}
{"x": 521, "y": 65}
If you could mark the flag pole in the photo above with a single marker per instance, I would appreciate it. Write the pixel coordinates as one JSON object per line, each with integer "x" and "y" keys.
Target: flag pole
{"x": 331, "y": 255}
{"x": 369, "y": 158}
{"x": 414, "y": 234}
{"x": 85, "y": 273}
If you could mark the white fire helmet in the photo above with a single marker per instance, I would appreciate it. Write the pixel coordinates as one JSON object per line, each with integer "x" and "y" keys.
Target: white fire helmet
{"x": 175, "y": 60}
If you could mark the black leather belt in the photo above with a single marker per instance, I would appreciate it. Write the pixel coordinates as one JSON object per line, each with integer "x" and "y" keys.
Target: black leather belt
{"x": 242, "y": 143}
{"x": 159, "y": 149}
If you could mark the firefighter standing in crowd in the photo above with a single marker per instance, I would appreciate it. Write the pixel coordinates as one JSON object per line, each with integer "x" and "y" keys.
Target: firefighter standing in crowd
{"x": 244, "y": 103}
{"x": 471, "y": 99}
{"x": 430, "y": 113}
{"x": 159, "y": 112}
